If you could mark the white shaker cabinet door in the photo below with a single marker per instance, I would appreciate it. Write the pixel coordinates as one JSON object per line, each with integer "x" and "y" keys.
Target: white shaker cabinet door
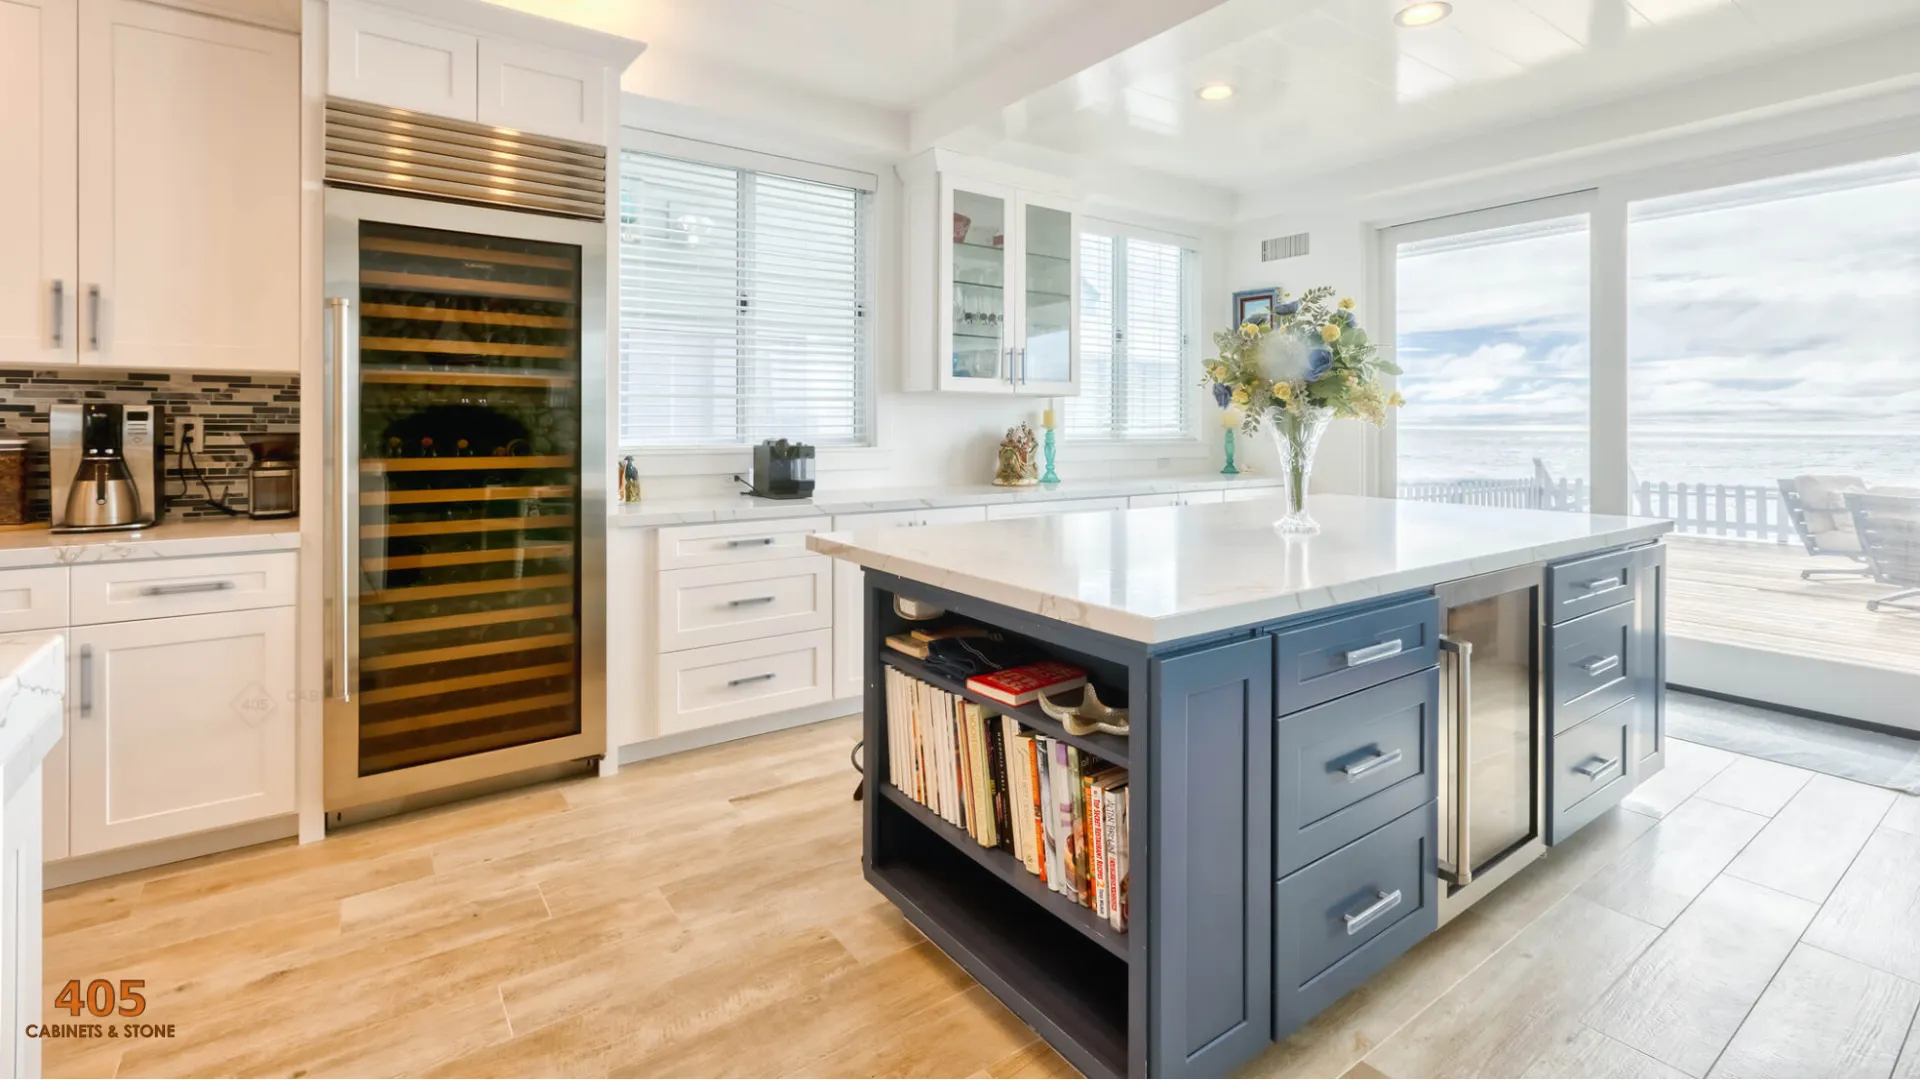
{"x": 543, "y": 93}
{"x": 37, "y": 104}
{"x": 189, "y": 191}
{"x": 179, "y": 725}
{"x": 384, "y": 58}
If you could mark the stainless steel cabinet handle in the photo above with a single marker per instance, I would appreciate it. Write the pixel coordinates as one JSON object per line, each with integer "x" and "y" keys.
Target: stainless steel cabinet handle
{"x": 1383, "y": 903}
{"x": 746, "y": 601}
{"x": 1598, "y": 664}
{"x": 1595, "y": 768}
{"x": 59, "y": 312}
{"x": 345, "y": 472}
{"x": 86, "y": 680}
{"x": 1379, "y": 760}
{"x": 1372, "y": 653}
{"x": 1598, "y": 586}
{"x": 758, "y": 541}
{"x": 1462, "y": 758}
{"x": 93, "y": 317}
{"x": 1020, "y": 365}
{"x": 186, "y": 587}
{"x": 745, "y": 679}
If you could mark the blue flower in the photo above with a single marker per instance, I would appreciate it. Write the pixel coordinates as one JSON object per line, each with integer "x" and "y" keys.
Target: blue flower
{"x": 1291, "y": 307}
{"x": 1222, "y": 394}
{"x": 1343, "y": 317}
{"x": 1319, "y": 362}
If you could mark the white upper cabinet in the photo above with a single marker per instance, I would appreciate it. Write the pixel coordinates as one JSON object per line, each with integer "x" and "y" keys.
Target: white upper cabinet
{"x": 385, "y": 58}
{"x": 994, "y": 275}
{"x": 189, "y": 191}
{"x": 547, "y": 93}
{"x": 37, "y": 261}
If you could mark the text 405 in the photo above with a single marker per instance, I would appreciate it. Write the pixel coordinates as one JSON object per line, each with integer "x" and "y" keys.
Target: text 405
{"x": 103, "y": 998}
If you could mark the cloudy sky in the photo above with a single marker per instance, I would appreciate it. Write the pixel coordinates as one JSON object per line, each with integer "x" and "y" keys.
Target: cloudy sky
{"x": 1787, "y": 310}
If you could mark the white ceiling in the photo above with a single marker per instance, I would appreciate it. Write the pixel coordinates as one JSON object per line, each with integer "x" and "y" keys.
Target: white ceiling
{"x": 1325, "y": 84}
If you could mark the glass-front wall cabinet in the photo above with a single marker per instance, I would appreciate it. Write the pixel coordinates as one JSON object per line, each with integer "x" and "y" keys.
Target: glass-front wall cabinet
{"x": 1009, "y": 278}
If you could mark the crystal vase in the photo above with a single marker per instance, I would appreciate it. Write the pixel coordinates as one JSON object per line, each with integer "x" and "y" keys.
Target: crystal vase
{"x": 1296, "y": 434}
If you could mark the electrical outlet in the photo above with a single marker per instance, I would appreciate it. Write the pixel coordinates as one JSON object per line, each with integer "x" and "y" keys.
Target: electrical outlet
{"x": 187, "y": 428}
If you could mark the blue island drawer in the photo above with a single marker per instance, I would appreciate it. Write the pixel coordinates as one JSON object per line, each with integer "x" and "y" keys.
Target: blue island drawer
{"x": 1587, "y": 770}
{"x": 1595, "y": 665}
{"x": 1586, "y": 585}
{"x": 1341, "y": 920}
{"x": 1350, "y": 766}
{"x": 1329, "y": 659}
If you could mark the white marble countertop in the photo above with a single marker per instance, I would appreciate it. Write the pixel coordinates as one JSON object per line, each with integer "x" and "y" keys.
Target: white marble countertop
{"x": 654, "y": 512}
{"x": 201, "y": 536}
{"x": 1166, "y": 573}
{"x": 33, "y": 683}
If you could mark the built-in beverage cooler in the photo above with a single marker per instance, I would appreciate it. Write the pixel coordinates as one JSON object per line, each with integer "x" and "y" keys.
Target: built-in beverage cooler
{"x": 466, "y": 408}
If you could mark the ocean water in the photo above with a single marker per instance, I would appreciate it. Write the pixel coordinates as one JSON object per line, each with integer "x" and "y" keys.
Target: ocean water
{"x": 1745, "y": 457}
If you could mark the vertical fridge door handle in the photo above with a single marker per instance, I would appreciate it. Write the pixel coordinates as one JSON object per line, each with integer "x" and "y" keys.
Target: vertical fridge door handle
{"x": 346, "y": 465}
{"x": 1462, "y": 804}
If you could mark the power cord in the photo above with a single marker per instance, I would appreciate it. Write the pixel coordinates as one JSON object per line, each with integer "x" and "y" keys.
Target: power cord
{"x": 186, "y": 454}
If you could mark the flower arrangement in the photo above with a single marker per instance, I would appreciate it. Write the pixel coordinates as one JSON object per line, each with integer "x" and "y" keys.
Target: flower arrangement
{"x": 1309, "y": 364}
{"x": 1311, "y": 355}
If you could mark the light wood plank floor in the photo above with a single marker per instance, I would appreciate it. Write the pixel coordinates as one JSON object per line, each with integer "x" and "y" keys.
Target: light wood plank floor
{"x": 705, "y": 915}
{"x": 1743, "y": 593}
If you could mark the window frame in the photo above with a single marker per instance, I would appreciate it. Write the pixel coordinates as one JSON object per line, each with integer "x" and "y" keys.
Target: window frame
{"x": 692, "y": 460}
{"x": 1198, "y": 336}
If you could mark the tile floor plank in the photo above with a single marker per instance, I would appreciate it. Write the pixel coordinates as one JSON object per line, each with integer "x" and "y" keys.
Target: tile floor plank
{"x": 1689, "y": 767}
{"x": 1905, "y": 814}
{"x": 1909, "y": 1066}
{"x": 1810, "y": 843}
{"x": 1583, "y": 1051}
{"x": 1656, "y": 878}
{"x": 1682, "y": 1001}
{"x": 1824, "y": 1015}
{"x": 1755, "y": 785}
{"x": 1871, "y": 916}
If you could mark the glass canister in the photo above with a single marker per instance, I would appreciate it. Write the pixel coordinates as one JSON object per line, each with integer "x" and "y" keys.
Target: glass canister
{"x": 13, "y": 481}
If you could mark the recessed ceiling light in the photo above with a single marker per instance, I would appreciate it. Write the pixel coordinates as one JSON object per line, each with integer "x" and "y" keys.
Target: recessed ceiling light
{"x": 1216, "y": 92}
{"x": 1424, "y": 13}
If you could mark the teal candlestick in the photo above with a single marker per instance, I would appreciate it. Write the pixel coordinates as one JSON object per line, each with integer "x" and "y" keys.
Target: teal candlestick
{"x": 1230, "y": 470}
{"x": 1051, "y": 477}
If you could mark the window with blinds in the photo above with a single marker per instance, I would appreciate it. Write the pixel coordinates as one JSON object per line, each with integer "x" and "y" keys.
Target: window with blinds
{"x": 1135, "y": 378}
{"x": 743, "y": 307}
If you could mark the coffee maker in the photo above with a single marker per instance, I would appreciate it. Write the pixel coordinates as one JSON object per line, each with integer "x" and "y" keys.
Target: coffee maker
{"x": 107, "y": 466}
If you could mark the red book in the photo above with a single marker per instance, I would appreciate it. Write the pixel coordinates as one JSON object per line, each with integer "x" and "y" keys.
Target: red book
{"x": 1020, "y": 685}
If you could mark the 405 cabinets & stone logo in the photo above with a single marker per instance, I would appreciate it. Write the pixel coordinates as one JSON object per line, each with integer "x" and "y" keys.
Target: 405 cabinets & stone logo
{"x": 113, "y": 1006}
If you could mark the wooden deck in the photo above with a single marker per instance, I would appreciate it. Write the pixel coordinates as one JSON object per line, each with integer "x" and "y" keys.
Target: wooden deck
{"x": 1747, "y": 593}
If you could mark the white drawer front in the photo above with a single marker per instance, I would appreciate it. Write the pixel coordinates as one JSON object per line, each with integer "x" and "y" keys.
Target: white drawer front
{"x": 712, "y": 605}
{"x": 737, "y": 542}
{"x": 33, "y": 599}
{"x": 1002, "y": 511}
{"x": 703, "y": 687}
{"x": 156, "y": 588}
{"x": 1165, "y": 498}
{"x": 1245, "y": 494}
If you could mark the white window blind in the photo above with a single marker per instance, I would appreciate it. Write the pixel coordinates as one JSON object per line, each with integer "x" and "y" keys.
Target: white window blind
{"x": 1135, "y": 378}
{"x": 743, "y": 300}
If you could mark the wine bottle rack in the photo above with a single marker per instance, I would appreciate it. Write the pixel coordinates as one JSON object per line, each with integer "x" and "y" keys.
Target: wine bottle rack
{"x": 469, "y": 494}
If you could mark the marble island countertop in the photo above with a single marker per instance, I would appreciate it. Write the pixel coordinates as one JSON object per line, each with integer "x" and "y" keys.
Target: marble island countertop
{"x": 171, "y": 539}
{"x": 692, "y": 511}
{"x": 33, "y": 682}
{"x": 1157, "y": 575}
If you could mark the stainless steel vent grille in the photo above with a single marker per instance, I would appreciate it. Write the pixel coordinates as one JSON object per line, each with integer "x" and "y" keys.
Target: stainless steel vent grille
{"x": 372, "y": 146}
{"x": 1283, "y": 247}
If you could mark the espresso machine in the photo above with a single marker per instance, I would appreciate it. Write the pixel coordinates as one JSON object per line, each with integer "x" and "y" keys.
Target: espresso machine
{"x": 107, "y": 466}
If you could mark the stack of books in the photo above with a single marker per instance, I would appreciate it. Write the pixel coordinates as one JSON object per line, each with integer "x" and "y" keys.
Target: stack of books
{"x": 1059, "y": 810}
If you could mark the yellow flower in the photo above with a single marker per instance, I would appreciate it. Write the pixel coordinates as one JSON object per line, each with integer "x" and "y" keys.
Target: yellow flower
{"x": 1330, "y": 333}
{"x": 1240, "y": 396}
{"x": 1346, "y": 303}
{"x": 1248, "y": 329}
{"x": 1283, "y": 392}
{"x": 1219, "y": 373}
{"x": 1396, "y": 400}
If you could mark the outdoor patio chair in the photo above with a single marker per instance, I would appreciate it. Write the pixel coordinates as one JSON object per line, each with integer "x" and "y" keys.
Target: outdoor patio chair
{"x": 1889, "y": 529}
{"x": 1818, "y": 508}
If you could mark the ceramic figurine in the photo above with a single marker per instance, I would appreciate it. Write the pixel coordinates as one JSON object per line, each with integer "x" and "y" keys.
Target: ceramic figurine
{"x": 1089, "y": 716}
{"x": 1017, "y": 467}
{"x": 629, "y": 480}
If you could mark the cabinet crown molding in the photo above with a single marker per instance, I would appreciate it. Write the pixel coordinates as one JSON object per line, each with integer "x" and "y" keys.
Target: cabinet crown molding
{"x": 517, "y": 26}
{"x": 939, "y": 162}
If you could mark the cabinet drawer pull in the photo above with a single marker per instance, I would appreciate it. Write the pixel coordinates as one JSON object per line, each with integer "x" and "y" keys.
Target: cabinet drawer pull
{"x": 747, "y": 601}
{"x": 1598, "y": 586}
{"x": 86, "y": 680}
{"x": 1373, "y": 653}
{"x": 1595, "y": 768}
{"x": 59, "y": 312}
{"x": 757, "y": 541}
{"x": 746, "y": 679}
{"x": 1357, "y": 921}
{"x": 93, "y": 317}
{"x": 1598, "y": 664}
{"x": 185, "y": 587}
{"x": 1379, "y": 760}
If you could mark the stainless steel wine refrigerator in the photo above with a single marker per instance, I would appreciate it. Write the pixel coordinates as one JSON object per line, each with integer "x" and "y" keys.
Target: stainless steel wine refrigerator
{"x": 467, "y": 504}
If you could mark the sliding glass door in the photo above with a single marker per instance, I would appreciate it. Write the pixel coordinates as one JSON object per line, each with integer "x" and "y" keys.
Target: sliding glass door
{"x": 1491, "y": 327}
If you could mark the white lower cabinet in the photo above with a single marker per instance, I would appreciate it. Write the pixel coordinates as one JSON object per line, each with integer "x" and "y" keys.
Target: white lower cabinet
{"x": 20, "y": 926}
{"x": 721, "y": 683}
{"x": 178, "y": 725}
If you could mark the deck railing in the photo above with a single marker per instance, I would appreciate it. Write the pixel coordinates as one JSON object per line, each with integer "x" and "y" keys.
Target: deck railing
{"x": 1740, "y": 511}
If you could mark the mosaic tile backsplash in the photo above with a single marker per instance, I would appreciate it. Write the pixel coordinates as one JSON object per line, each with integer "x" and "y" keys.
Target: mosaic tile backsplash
{"x": 229, "y": 406}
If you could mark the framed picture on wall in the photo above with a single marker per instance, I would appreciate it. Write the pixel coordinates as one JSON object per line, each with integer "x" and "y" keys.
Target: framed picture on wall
{"x": 1254, "y": 306}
